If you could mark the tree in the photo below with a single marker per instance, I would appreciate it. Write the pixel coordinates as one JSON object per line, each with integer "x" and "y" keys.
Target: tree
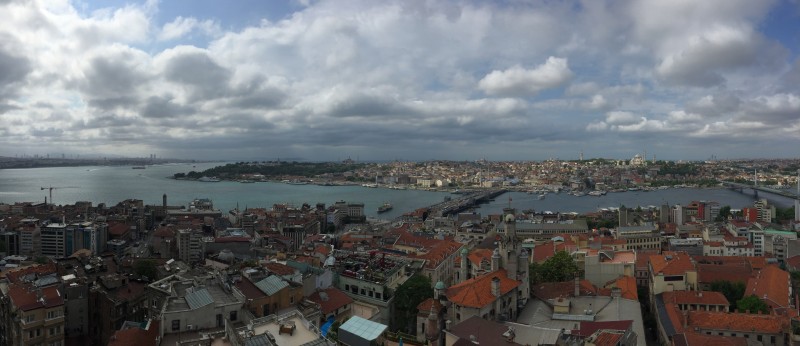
{"x": 752, "y": 304}
{"x": 146, "y": 268}
{"x": 733, "y": 291}
{"x": 410, "y": 294}
{"x": 560, "y": 267}
{"x": 724, "y": 212}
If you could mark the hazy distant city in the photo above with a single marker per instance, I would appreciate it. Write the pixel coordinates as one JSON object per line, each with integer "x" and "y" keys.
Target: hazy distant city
{"x": 392, "y": 173}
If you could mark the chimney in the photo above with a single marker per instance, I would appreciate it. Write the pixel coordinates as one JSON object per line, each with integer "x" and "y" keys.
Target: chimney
{"x": 577, "y": 287}
{"x": 496, "y": 286}
{"x": 685, "y": 319}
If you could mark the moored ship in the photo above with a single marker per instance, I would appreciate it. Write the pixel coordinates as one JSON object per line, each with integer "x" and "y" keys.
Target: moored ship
{"x": 385, "y": 207}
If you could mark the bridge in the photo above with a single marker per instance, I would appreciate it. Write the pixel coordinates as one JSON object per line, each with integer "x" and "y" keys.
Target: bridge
{"x": 741, "y": 187}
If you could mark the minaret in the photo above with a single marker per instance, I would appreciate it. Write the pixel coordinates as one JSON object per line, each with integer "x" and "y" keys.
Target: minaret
{"x": 509, "y": 248}
{"x": 524, "y": 290}
{"x": 496, "y": 260}
{"x": 464, "y": 270}
{"x": 432, "y": 329}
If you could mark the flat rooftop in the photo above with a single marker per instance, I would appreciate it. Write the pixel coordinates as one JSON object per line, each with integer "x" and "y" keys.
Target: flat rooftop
{"x": 302, "y": 334}
{"x": 535, "y": 321}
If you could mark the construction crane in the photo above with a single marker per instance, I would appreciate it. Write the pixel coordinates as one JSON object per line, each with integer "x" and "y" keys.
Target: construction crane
{"x": 51, "y": 188}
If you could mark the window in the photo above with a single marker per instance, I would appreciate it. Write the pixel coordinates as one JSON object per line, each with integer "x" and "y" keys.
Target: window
{"x": 176, "y": 325}
{"x": 30, "y": 318}
{"x": 38, "y": 332}
{"x": 291, "y": 300}
{"x": 759, "y": 338}
{"x": 233, "y": 315}
{"x": 53, "y": 314}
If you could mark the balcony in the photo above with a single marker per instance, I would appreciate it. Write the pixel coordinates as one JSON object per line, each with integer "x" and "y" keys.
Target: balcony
{"x": 54, "y": 320}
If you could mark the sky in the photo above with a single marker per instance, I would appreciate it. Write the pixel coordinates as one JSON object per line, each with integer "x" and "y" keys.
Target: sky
{"x": 401, "y": 80}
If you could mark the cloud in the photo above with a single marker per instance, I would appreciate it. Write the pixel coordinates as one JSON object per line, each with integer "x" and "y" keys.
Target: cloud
{"x": 518, "y": 81}
{"x": 182, "y": 26}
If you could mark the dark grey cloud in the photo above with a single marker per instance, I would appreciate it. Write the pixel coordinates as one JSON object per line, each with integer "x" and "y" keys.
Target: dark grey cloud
{"x": 13, "y": 70}
{"x": 195, "y": 69}
{"x": 47, "y": 132}
{"x": 164, "y": 107}
{"x": 112, "y": 81}
{"x": 364, "y": 105}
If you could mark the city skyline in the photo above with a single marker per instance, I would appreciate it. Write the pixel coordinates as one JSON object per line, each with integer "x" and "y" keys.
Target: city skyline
{"x": 327, "y": 80}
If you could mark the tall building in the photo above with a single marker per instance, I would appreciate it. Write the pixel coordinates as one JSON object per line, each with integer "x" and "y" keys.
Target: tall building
{"x": 54, "y": 240}
{"x": 191, "y": 247}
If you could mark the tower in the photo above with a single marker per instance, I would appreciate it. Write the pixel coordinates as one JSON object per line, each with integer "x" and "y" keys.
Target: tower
{"x": 432, "y": 329}
{"x": 509, "y": 249}
{"x": 464, "y": 270}
{"x": 524, "y": 291}
{"x": 164, "y": 201}
{"x": 496, "y": 260}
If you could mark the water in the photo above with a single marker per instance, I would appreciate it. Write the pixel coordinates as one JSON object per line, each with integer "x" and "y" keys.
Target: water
{"x": 567, "y": 203}
{"x": 111, "y": 185}
{"x": 114, "y": 184}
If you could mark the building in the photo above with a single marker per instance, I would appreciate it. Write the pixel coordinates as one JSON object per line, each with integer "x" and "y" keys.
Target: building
{"x": 640, "y": 237}
{"x": 191, "y": 247}
{"x": 498, "y": 294}
{"x": 269, "y": 295}
{"x": 361, "y": 332}
{"x": 672, "y": 271}
{"x": 54, "y": 240}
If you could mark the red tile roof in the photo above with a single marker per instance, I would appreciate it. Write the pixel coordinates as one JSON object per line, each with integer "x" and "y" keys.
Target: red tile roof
{"x": 691, "y": 297}
{"x": 335, "y": 299}
{"x": 607, "y": 338}
{"x": 118, "y": 229}
{"x": 279, "y": 268}
{"x": 477, "y": 292}
{"x": 588, "y": 328}
{"x": 249, "y": 289}
{"x": 476, "y": 256}
{"x": 15, "y": 275}
{"x": 738, "y": 322}
{"x": 136, "y": 336}
{"x": 424, "y": 308}
{"x": 671, "y": 263}
{"x": 770, "y": 284}
{"x": 26, "y": 298}
{"x": 691, "y": 338}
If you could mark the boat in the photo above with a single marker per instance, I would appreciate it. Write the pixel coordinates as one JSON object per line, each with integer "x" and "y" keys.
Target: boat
{"x": 541, "y": 196}
{"x": 596, "y": 193}
{"x": 138, "y": 167}
{"x": 385, "y": 207}
{"x": 297, "y": 182}
{"x": 208, "y": 179}
{"x": 246, "y": 181}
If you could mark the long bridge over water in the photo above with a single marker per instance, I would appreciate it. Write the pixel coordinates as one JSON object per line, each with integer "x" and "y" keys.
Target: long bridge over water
{"x": 741, "y": 187}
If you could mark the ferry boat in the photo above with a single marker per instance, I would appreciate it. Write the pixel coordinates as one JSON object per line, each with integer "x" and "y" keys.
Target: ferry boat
{"x": 297, "y": 182}
{"x": 138, "y": 167}
{"x": 208, "y": 179}
{"x": 385, "y": 207}
{"x": 541, "y": 196}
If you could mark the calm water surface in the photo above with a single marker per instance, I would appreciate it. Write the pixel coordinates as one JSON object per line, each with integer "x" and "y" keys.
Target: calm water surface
{"x": 113, "y": 184}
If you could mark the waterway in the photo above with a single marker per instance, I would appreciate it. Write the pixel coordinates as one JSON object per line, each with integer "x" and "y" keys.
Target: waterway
{"x": 110, "y": 185}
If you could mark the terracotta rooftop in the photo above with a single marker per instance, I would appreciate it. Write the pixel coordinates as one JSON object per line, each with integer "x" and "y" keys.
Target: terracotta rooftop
{"x": 691, "y": 338}
{"x": 25, "y": 297}
{"x": 552, "y": 290}
{"x": 136, "y": 336}
{"x": 485, "y": 332}
{"x": 330, "y": 299}
{"x": 424, "y": 308}
{"x": 118, "y": 229}
{"x": 770, "y": 284}
{"x": 607, "y": 338}
{"x": 478, "y": 255}
{"x": 671, "y": 263}
{"x": 692, "y": 297}
{"x": 249, "y": 289}
{"x": 279, "y": 268}
{"x": 588, "y": 328}
{"x": 737, "y": 322}
{"x": 477, "y": 292}
{"x": 15, "y": 275}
